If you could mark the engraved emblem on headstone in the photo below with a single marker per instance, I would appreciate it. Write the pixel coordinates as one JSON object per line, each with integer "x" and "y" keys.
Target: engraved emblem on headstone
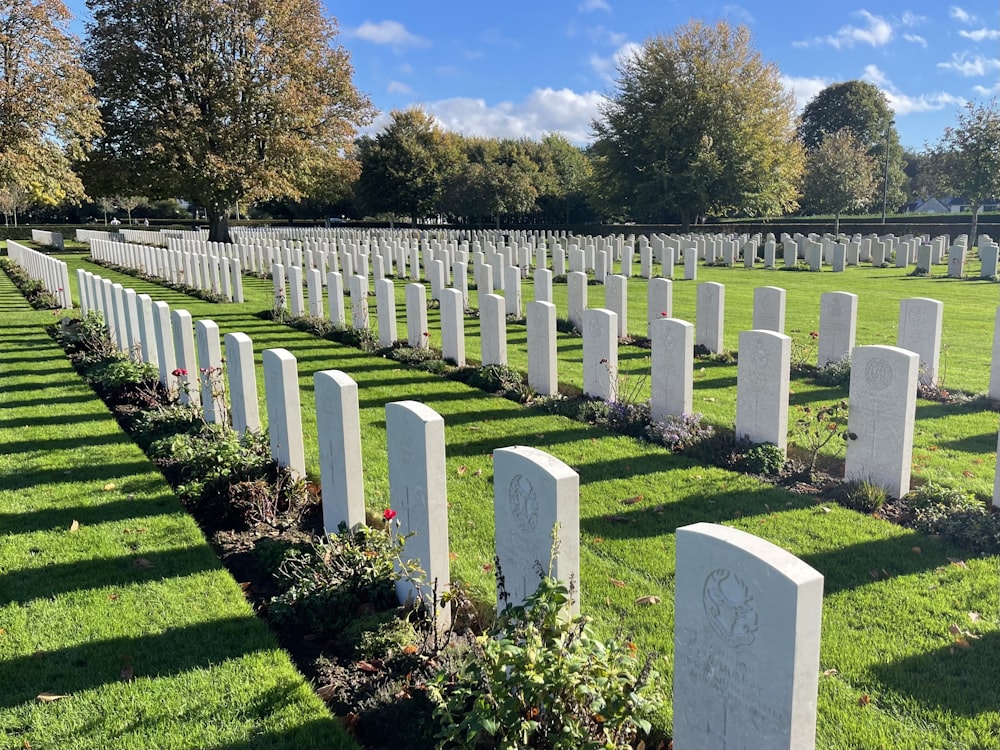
{"x": 523, "y": 503}
{"x": 878, "y": 374}
{"x": 729, "y": 608}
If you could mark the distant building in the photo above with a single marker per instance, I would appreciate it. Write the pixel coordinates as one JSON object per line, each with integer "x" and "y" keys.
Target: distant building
{"x": 946, "y": 206}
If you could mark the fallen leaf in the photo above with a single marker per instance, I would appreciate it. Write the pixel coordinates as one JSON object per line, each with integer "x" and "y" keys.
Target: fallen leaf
{"x": 709, "y": 399}
{"x": 366, "y": 666}
{"x": 823, "y": 509}
{"x": 74, "y": 527}
{"x": 864, "y": 700}
{"x": 954, "y": 629}
{"x": 488, "y": 567}
{"x": 598, "y": 539}
{"x": 915, "y": 550}
{"x": 956, "y": 562}
{"x": 618, "y": 519}
{"x": 477, "y": 473}
{"x": 632, "y": 500}
{"x": 49, "y": 697}
{"x": 968, "y": 474}
{"x": 648, "y": 600}
{"x": 109, "y": 486}
{"x": 962, "y": 643}
{"x": 932, "y": 447}
{"x": 127, "y": 674}
{"x": 616, "y": 582}
{"x": 974, "y": 616}
{"x": 873, "y": 574}
{"x": 461, "y": 469}
{"x": 326, "y": 692}
{"x": 113, "y": 597}
{"x": 452, "y": 556}
{"x": 410, "y": 649}
{"x": 830, "y": 672}
{"x": 142, "y": 563}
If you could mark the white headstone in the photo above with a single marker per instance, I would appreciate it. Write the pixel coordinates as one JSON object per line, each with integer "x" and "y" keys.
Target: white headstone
{"x": 600, "y": 354}
{"x": 762, "y": 387}
{"x": 543, "y": 285}
{"x": 338, "y": 424}
{"x": 709, "y": 316}
{"x": 769, "y": 308}
{"x": 242, "y": 383}
{"x": 672, "y": 367}
{"x": 542, "y": 351}
{"x": 659, "y": 301}
{"x": 616, "y": 300}
{"x": 920, "y": 321}
{"x": 747, "y": 623}
{"x": 296, "y": 302}
{"x": 210, "y": 376}
{"x": 576, "y": 298}
{"x": 417, "y": 334}
{"x": 883, "y": 401}
{"x": 534, "y": 495}
{"x": 385, "y": 305}
{"x": 418, "y": 492}
{"x": 359, "y": 302}
{"x": 284, "y": 410}
{"x": 335, "y": 294}
{"x": 492, "y": 330}
{"x": 994, "y": 389}
{"x": 452, "y": 326}
{"x": 838, "y": 314}
{"x": 183, "y": 335}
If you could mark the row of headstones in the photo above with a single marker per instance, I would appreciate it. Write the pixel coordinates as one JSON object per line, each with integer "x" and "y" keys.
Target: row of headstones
{"x": 210, "y": 273}
{"x": 47, "y": 239}
{"x": 535, "y": 493}
{"x": 160, "y": 237}
{"x": 51, "y": 272}
{"x": 86, "y": 235}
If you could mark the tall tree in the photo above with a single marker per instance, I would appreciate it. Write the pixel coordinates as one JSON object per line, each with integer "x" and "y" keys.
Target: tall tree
{"x": 699, "y": 124}
{"x": 970, "y": 157}
{"x": 219, "y": 101}
{"x": 862, "y": 108}
{"x": 404, "y": 167}
{"x": 840, "y": 175}
{"x": 47, "y": 114}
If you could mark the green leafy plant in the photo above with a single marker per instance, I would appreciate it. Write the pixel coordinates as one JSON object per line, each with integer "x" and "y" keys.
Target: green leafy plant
{"x": 679, "y": 431}
{"x": 836, "y": 374}
{"x": 956, "y": 515}
{"x": 543, "y": 679}
{"x": 763, "y": 458}
{"x": 338, "y": 577}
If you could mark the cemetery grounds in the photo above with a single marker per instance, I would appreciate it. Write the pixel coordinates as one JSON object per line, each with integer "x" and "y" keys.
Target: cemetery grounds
{"x": 111, "y": 598}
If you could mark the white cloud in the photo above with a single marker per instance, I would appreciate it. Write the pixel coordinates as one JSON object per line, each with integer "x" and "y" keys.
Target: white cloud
{"x": 738, "y": 13}
{"x": 542, "y": 111}
{"x": 967, "y": 66}
{"x": 388, "y": 32}
{"x": 961, "y": 15}
{"x": 876, "y": 32}
{"x": 803, "y": 89}
{"x": 916, "y": 39}
{"x": 912, "y": 19}
{"x": 588, "y": 6}
{"x": 987, "y": 91}
{"x": 980, "y": 34}
{"x": 398, "y": 87}
{"x": 904, "y": 104}
{"x": 406, "y": 69}
{"x": 607, "y": 67}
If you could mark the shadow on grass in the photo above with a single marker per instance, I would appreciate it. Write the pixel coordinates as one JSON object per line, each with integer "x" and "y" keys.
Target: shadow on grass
{"x": 56, "y": 444}
{"x": 77, "y": 398}
{"x": 960, "y": 680}
{"x": 985, "y": 443}
{"x": 844, "y": 568}
{"x": 89, "y": 515}
{"x": 54, "y": 419}
{"x": 24, "y": 585}
{"x": 90, "y": 665}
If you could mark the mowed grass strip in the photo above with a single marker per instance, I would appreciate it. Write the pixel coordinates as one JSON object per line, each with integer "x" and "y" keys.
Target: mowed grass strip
{"x": 892, "y": 595}
{"x": 109, "y": 594}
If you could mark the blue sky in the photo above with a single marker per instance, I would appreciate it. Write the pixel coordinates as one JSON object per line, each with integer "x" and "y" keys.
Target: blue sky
{"x": 527, "y": 68}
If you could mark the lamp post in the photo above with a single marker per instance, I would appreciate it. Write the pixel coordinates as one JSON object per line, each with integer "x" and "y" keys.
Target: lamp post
{"x": 885, "y": 177}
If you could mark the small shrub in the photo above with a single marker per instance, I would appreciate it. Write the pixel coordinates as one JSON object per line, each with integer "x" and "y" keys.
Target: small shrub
{"x": 543, "y": 679}
{"x": 679, "y": 431}
{"x": 626, "y": 418}
{"x": 763, "y": 458}
{"x": 864, "y": 495}
{"x": 956, "y": 515}
{"x": 836, "y": 374}
{"x": 119, "y": 380}
{"x": 387, "y": 639}
{"x": 340, "y": 576}
{"x": 500, "y": 379}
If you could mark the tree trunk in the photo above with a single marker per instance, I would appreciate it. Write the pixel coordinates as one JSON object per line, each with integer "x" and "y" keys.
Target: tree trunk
{"x": 836, "y": 225}
{"x": 218, "y": 222}
{"x": 685, "y": 222}
{"x": 975, "y": 224}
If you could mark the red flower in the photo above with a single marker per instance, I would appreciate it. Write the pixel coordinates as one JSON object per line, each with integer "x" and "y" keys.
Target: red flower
{"x": 179, "y": 372}
{"x": 814, "y": 335}
{"x": 388, "y": 514}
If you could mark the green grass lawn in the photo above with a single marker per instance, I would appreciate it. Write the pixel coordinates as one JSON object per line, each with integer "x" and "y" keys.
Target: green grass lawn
{"x": 892, "y": 595}
{"x": 109, "y": 594}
